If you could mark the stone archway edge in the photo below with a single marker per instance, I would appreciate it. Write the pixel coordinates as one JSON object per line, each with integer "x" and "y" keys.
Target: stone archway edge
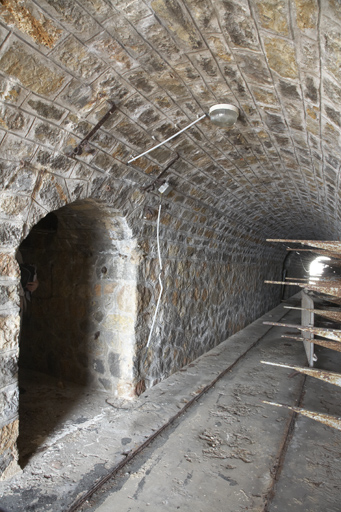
{"x": 158, "y": 407}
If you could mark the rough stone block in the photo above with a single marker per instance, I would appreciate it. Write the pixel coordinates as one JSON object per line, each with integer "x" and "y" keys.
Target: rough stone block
{"x": 254, "y": 68}
{"x": 8, "y": 450}
{"x": 10, "y": 234}
{"x": 47, "y": 134}
{"x": 126, "y": 298}
{"x": 103, "y": 162}
{"x": 204, "y": 15}
{"x": 73, "y": 16}
{"x": 273, "y": 15}
{"x": 239, "y": 26}
{"x": 54, "y": 162}
{"x": 133, "y": 10}
{"x": 15, "y": 120}
{"x": 36, "y": 213}
{"x": 82, "y": 171}
{"x": 178, "y": 23}
{"x": 78, "y": 59}
{"x": 8, "y": 436}
{"x": 45, "y": 109}
{"x": 281, "y": 57}
{"x": 158, "y": 37}
{"x": 78, "y": 189}
{"x": 78, "y": 95}
{"x": 9, "y": 403}
{"x": 113, "y": 53}
{"x": 275, "y": 123}
{"x": 8, "y": 369}
{"x": 129, "y": 132}
{"x": 103, "y": 140}
{"x": 331, "y": 90}
{"x": 309, "y": 56}
{"x": 15, "y": 148}
{"x": 99, "y": 9}
{"x": 332, "y": 46}
{"x": 15, "y": 207}
{"x": 17, "y": 178}
{"x": 3, "y": 33}
{"x": 51, "y": 192}
{"x": 11, "y": 91}
{"x": 31, "y": 21}
{"x": 8, "y": 266}
{"x": 122, "y": 31}
{"x": 312, "y": 121}
{"x": 307, "y": 13}
{"x": 333, "y": 115}
{"x": 120, "y": 323}
{"x": 9, "y": 332}
{"x": 31, "y": 69}
{"x": 142, "y": 82}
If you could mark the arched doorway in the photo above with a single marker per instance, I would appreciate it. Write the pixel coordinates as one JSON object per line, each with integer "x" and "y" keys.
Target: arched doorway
{"x": 79, "y": 326}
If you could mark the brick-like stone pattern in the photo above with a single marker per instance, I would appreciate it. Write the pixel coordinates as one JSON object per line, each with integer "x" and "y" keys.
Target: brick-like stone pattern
{"x": 165, "y": 62}
{"x": 99, "y": 288}
{"x": 8, "y": 450}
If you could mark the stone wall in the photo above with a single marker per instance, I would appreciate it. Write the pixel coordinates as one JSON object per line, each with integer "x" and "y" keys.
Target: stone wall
{"x": 93, "y": 275}
{"x": 209, "y": 292}
{"x": 63, "y": 63}
{"x": 207, "y": 296}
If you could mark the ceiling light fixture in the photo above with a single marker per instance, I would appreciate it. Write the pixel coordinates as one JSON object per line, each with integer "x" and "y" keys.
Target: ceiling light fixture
{"x": 223, "y": 115}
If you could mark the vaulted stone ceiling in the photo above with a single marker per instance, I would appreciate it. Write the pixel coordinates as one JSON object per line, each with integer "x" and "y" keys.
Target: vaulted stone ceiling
{"x": 164, "y": 63}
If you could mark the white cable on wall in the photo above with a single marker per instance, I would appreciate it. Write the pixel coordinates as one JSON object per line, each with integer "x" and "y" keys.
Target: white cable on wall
{"x": 160, "y": 281}
{"x": 167, "y": 140}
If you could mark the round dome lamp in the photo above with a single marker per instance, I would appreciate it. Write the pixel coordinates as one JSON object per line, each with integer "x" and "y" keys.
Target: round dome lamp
{"x": 224, "y": 115}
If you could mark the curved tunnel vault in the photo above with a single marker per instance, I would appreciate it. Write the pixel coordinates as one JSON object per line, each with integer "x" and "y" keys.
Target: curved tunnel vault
{"x": 80, "y": 323}
{"x": 275, "y": 174}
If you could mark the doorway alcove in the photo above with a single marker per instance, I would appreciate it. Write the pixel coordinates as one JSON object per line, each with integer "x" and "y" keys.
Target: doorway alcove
{"x": 78, "y": 330}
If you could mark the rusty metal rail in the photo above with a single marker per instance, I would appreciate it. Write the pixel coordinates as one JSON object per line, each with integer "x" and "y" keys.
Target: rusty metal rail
{"x": 335, "y": 281}
{"x": 329, "y": 254}
{"x": 326, "y": 419}
{"x": 331, "y": 315}
{"x": 332, "y": 288}
{"x": 314, "y": 278}
{"x": 298, "y": 278}
{"x": 331, "y": 334}
{"x": 332, "y": 345}
{"x": 334, "y": 246}
{"x": 330, "y": 377}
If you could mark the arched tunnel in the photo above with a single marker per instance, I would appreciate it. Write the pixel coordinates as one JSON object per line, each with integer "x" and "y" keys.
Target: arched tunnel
{"x": 145, "y": 264}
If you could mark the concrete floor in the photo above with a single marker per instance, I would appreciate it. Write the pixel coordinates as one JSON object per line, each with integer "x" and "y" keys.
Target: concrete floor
{"x": 223, "y": 449}
{"x": 225, "y": 453}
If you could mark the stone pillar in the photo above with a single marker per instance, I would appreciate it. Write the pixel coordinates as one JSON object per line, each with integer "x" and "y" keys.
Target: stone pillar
{"x": 9, "y": 350}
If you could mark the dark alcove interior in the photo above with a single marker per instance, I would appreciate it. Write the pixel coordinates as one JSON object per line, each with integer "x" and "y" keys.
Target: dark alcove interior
{"x": 69, "y": 347}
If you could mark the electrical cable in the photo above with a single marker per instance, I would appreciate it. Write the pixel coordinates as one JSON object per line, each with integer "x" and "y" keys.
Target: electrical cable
{"x": 167, "y": 140}
{"x": 160, "y": 273}
{"x": 143, "y": 360}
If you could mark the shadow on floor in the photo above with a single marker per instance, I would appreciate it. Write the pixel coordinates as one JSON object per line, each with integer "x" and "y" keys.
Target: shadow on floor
{"x": 49, "y": 409}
